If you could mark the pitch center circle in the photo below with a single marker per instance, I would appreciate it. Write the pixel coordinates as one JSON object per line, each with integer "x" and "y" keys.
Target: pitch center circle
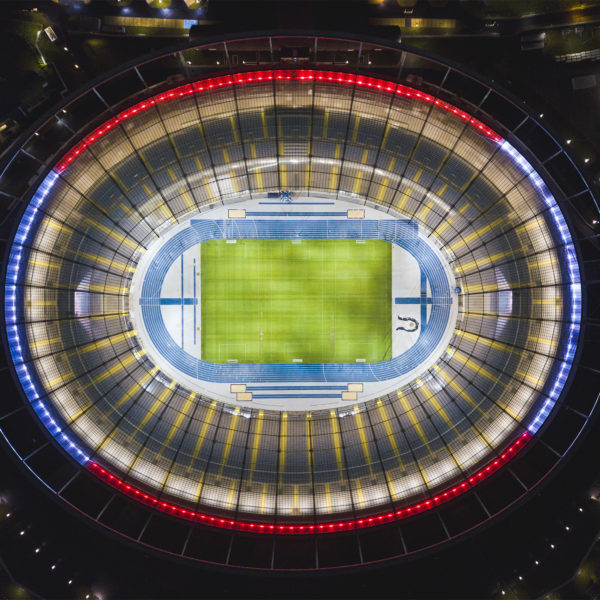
{"x": 294, "y": 310}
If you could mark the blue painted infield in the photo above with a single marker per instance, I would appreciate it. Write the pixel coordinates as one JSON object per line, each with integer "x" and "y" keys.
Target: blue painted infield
{"x": 404, "y": 233}
{"x": 287, "y": 396}
{"x": 178, "y": 301}
{"x": 415, "y": 300}
{"x": 295, "y": 214}
{"x": 277, "y": 388}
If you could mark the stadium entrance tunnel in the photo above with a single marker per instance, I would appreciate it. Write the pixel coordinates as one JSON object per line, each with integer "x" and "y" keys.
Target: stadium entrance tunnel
{"x": 286, "y": 302}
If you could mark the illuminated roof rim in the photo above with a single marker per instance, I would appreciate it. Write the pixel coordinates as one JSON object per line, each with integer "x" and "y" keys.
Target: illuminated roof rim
{"x": 29, "y": 217}
{"x": 271, "y": 75}
{"x": 325, "y": 527}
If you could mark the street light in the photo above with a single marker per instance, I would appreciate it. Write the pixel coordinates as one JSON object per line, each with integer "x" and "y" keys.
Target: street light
{"x": 37, "y": 39}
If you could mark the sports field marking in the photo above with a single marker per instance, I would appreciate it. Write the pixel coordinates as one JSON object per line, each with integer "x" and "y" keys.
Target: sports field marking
{"x": 281, "y": 301}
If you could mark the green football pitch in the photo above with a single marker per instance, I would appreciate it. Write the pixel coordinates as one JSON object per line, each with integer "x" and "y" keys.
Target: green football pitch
{"x": 280, "y": 301}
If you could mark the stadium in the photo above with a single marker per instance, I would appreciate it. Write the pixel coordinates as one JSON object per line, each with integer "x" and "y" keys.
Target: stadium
{"x": 287, "y": 318}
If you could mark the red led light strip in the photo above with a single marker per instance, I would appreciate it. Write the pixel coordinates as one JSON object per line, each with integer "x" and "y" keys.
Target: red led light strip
{"x": 329, "y": 527}
{"x": 258, "y": 76}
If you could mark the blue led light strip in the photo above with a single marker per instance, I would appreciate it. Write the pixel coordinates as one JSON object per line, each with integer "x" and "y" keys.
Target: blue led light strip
{"x": 574, "y": 286}
{"x": 16, "y": 334}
